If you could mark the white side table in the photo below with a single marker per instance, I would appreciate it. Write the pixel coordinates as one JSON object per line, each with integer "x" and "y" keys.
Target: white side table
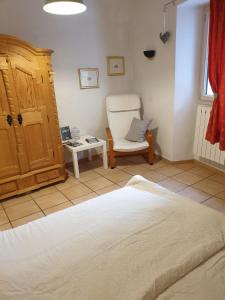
{"x": 87, "y": 146}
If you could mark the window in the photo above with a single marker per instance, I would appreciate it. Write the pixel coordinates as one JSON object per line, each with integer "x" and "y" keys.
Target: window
{"x": 209, "y": 91}
{"x": 206, "y": 90}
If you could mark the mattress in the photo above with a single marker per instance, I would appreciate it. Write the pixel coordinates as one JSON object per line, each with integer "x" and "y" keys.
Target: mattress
{"x": 139, "y": 242}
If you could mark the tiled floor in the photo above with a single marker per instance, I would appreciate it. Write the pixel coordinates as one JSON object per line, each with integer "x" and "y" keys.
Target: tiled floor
{"x": 193, "y": 180}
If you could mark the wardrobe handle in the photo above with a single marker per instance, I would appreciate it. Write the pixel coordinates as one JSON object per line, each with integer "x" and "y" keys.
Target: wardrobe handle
{"x": 20, "y": 119}
{"x": 9, "y": 120}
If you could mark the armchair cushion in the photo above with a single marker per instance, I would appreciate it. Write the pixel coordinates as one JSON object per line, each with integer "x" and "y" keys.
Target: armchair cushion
{"x": 137, "y": 130}
{"x": 121, "y": 109}
{"x": 118, "y": 103}
{"x": 122, "y": 145}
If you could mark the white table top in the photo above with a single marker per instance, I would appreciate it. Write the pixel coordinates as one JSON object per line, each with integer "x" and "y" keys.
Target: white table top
{"x": 85, "y": 145}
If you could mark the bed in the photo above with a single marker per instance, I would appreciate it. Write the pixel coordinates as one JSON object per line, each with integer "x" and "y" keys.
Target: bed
{"x": 141, "y": 242}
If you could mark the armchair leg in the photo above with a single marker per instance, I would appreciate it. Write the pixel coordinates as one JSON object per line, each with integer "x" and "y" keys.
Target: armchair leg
{"x": 150, "y": 156}
{"x": 112, "y": 160}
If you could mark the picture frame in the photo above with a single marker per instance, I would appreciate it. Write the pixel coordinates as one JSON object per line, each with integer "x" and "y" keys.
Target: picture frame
{"x": 88, "y": 78}
{"x": 116, "y": 65}
{"x": 65, "y": 133}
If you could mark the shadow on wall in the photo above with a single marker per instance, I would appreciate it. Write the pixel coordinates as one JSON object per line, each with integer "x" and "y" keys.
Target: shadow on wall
{"x": 158, "y": 150}
{"x": 154, "y": 130}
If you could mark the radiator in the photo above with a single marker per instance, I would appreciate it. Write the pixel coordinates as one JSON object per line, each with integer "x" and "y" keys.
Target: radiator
{"x": 203, "y": 148}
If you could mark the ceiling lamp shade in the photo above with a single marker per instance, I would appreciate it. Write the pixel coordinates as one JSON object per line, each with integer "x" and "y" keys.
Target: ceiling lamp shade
{"x": 64, "y": 7}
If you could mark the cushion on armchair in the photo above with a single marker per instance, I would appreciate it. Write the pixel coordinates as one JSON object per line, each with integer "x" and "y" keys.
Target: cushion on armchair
{"x": 137, "y": 130}
{"x": 122, "y": 145}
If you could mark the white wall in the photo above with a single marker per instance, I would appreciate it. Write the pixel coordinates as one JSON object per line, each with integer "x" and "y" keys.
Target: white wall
{"x": 78, "y": 41}
{"x": 154, "y": 80}
{"x": 189, "y": 39}
{"x": 169, "y": 84}
{"x": 126, "y": 28}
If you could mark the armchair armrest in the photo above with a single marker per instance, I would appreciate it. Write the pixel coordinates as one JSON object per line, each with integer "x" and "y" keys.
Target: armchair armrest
{"x": 109, "y": 138}
{"x": 112, "y": 160}
{"x": 149, "y": 138}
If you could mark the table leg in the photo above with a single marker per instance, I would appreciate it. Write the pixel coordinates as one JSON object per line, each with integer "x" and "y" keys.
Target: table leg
{"x": 89, "y": 154}
{"x": 104, "y": 156}
{"x": 75, "y": 165}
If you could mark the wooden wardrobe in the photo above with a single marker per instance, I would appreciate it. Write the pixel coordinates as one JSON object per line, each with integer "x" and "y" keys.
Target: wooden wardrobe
{"x": 31, "y": 153}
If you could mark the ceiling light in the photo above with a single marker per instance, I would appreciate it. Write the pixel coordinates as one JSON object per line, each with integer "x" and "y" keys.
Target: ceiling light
{"x": 64, "y": 7}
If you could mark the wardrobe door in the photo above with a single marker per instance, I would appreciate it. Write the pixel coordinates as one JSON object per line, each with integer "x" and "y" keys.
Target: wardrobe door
{"x": 9, "y": 165}
{"x": 32, "y": 115}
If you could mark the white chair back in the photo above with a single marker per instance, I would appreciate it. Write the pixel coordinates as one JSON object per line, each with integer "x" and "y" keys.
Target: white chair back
{"x": 121, "y": 109}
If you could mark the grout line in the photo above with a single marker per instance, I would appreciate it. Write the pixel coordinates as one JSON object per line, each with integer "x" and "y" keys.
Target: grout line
{"x": 207, "y": 199}
{"x": 38, "y": 206}
{"x": 132, "y": 163}
{"x": 26, "y": 217}
{"x": 3, "y": 208}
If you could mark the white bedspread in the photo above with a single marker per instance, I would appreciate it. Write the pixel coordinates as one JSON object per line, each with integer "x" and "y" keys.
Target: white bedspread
{"x": 140, "y": 242}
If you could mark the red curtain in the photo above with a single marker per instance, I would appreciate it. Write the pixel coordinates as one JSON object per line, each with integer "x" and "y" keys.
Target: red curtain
{"x": 216, "y": 128}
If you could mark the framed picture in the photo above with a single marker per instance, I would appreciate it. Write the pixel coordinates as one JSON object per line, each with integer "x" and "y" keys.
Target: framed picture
{"x": 116, "y": 65}
{"x": 89, "y": 78}
{"x": 65, "y": 133}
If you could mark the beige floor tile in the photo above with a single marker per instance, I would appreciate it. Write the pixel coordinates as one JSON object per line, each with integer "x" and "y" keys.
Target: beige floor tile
{"x": 108, "y": 189}
{"x": 5, "y": 227}
{"x": 51, "y": 200}
{"x": 136, "y": 170}
{"x": 209, "y": 186}
{"x": 22, "y": 210}
{"x": 169, "y": 171}
{"x": 88, "y": 175}
{"x": 124, "y": 164}
{"x": 154, "y": 176}
{"x": 84, "y": 198}
{"x": 185, "y": 166}
{"x": 195, "y": 194}
{"x": 1, "y": 207}
{"x": 98, "y": 183}
{"x": 43, "y": 192}
{"x": 220, "y": 172}
{"x": 56, "y": 208}
{"x": 173, "y": 185}
{"x": 218, "y": 178}
{"x": 136, "y": 159}
{"x": 216, "y": 204}
{"x": 123, "y": 183}
{"x": 202, "y": 171}
{"x": 16, "y": 200}
{"x": 71, "y": 181}
{"x": 27, "y": 219}
{"x": 90, "y": 165}
{"x": 188, "y": 178}
{"x": 157, "y": 164}
{"x": 118, "y": 176}
{"x": 69, "y": 170}
{"x": 221, "y": 195}
{"x": 76, "y": 191}
{"x": 103, "y": 172}
{"x": 3, "y": 218}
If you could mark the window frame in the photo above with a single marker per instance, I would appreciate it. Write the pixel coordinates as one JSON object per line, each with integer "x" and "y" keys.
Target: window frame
{"x": 204, "y": 69}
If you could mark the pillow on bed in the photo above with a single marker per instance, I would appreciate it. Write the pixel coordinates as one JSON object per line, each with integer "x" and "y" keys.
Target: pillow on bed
{"x": 137, "y": 130}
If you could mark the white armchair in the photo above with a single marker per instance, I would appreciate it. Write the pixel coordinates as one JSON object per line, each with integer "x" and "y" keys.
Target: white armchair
{"x": 121, "y": 109}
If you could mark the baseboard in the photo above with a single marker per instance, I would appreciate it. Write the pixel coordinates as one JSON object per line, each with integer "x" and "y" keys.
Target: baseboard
{"x": 173, "y": 162}
{"x": 177, "y": 162}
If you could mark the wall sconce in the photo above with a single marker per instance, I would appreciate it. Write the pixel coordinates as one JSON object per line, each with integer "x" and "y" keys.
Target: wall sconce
{"x": 150, "y": 54}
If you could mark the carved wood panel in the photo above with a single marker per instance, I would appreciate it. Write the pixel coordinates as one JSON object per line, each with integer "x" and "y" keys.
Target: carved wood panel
{"x": 9, "y": 165}
{"x": 31, "y": 154}
{"x": 33, "y": 114}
